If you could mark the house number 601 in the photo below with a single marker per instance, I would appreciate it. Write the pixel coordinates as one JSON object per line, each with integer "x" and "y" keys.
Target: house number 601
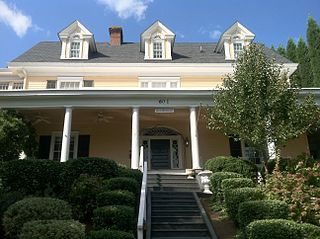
{"x": 164, "y": 101}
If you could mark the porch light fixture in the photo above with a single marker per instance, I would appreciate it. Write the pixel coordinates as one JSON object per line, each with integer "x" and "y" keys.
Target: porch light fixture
{"x": 186, "y": 142}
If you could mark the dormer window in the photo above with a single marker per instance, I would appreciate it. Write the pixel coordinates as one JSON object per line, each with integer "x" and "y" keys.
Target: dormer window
{"x": 75, "y": 48}
{"x": 238, "y": 49}
{"x": 157, "y": 47}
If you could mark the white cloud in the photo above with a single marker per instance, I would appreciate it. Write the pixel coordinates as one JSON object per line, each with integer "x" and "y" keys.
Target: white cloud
{"x": 180, "y": 35}
{"x": 14, "y": 18}
{"x": 127, "y": 8}
{"x": 215, "y": 34}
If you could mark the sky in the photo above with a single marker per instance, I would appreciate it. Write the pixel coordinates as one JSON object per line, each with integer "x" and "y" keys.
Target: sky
{"x": 24, "y": 23}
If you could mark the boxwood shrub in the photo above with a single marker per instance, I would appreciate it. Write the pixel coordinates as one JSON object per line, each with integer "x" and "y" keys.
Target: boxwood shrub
{"x": 110, "y": 234}
{"x": 231, "y": 183}
{"x": 234, "y": 197}
{"x": 261, "y": 209}
{"x": 130, "y": 173}
{"x": 216, "y": 179}
{"x": 116, "y": 197}
{"x": 52, "y": 229}
{"x": 122, "y": 183}
{"x": 114, "y": 217}
{"x": 281, "y": 229}
{"x": 30, "y": 209}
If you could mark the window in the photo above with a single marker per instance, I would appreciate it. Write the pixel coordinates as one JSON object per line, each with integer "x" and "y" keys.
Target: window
{"x": 4, "y": 85}
{"x": 75, "y": 49}
{"x": 70, "y": 83}
{"x": 159, "y": 82}
{"x": 56, "y": 144}
{"x": 157, "y": 47}
{"x": 238, "y": 49}
{"x": 51, "y": 84}
{"x": 11, "y": 85}
{"x": 17, "y": 86}
{"x": 88, "y": 83}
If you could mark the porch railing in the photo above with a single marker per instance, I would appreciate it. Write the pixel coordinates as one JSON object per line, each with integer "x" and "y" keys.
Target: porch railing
{"x": 143, "y": 166}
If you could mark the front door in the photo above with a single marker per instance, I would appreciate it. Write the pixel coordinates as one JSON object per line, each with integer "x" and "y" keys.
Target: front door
{"x": 160, "y": 153}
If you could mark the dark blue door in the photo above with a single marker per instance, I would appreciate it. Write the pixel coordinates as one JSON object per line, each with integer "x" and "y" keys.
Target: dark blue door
{"x": 160, "y": 154}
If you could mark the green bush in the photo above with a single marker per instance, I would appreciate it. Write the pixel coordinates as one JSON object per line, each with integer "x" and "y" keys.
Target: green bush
{"x": 231, "y": 164}
{"x": 234, "y": 197}
{"x": 114, "y": 217}
{"x": 130, "y": 173}
{"x": 32, "y": 177}
{"x": 110, "y": 234}
{"x": 122, "y": 183}
{"x": 281, "y": 229}
{"x": 231, "y": 183}
{"x": 116, "y": 197}
{"x": 216, "y": 179}
{"x": 83, "y": 195}
{"x": 30, "y": 209}
{"x": 262, "y": 209}
{"x": 52, "y": 229}
{"x": 99, "y": 167}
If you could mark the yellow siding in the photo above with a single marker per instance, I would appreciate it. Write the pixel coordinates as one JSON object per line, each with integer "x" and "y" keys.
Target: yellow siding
{"x": 201, "y": 81}
{"x": 38, "y": 82}
{"x": 296, "y": 147}
{"x": 114, "y": 81}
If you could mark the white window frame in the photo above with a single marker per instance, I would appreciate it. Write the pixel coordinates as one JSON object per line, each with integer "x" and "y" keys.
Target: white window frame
{"x": 148, "y": 82}
{"x": 54, "y": 135}
{"x": 11, "y": 85}
{"x": 75, "y": 39}
{"x": 67, "y": 79}
{"x": 158, "y": 40}
{"x": 237, "y": 53}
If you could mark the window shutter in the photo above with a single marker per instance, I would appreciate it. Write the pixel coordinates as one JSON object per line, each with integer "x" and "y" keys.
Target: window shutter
{"x": 235, "y": 148}
{"x": 44, "y": 146}
{"x": 83, "y": 146}
{"x": 314, "y": 144}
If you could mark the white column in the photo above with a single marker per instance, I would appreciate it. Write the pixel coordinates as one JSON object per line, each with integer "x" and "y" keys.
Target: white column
{"x": 135, "y": 139}
{"x": 194, "y": 138}
{"x": 272, "y": 150}
{"x": 66, "y": 135}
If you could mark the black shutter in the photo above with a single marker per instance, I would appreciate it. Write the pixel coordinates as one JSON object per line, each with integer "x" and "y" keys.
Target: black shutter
{"x": 44, "y": 146}
{"x": 314, "y": 144}
{"x": 235, "y": 148}
{"x": 83, "y": 146}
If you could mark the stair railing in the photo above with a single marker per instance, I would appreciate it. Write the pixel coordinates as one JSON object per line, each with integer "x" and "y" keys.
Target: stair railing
{"x": 143, "y": 197}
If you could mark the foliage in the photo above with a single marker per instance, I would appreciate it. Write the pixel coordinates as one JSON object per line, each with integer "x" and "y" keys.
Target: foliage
{"x": 216, "y": 179}
{"x": 234, "y": 197}
{"x": 122, "y": 183}
{"x": 262, "y": 209}
{"x": 232, "y": 183}
{"x": 82, "y": 196}
{"x": 16, "y": 135}
{"x": 130, "y": 173}
{"x": 110, "y": 234}
{"x": 300, "y": 190}
{"x": 114, "y": 217}
{"x": 291, "y": 50}
{"x": 33, "y": 177}
{"x": 257, "y": 104}
{"x": 281, "y": 229}
{"x": 30, "y": 209}
{"x": 52, "y": 229}
{"x": 313, "y": 37}
{"x": 116, "y": 197}
{"x": 282, "y": 51}
{"x": 304, "y": 70}
{"x": 231, "y": 164}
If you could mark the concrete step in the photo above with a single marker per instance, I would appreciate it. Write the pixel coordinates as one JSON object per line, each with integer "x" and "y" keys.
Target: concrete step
{"x": 168, "y": 176}
{"x": 178, "y": 225}
{"x": 182, "y": 233}
{"x": 177, "y": 212}
{"x": 170, "y": 201}
{"x": 172, "y": 219}
{"x": 175, "y": 206}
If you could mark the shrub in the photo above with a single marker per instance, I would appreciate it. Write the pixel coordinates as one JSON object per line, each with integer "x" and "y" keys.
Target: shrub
{"x": 117, "y": 197}
{"x": 33, "y": 177}
{"x": 122, "y": 183}
{"x": 52, "y": 229}
{"x": 30, "y": 209}
{"x": 114, "y": 217}
{"x": 110, "y": 234}
{"x": 234, "y": 197}
{"x": 99, "y": 167}
{"x": 83, "y": 196}
{"x": 231, "y": 183}
{"x": 130, "y": 173}
{"x": 216, "y": 179}
{"x": 263, "y": 209}
{"x": 231, "y": 164}
{"x": 281, "y": 229}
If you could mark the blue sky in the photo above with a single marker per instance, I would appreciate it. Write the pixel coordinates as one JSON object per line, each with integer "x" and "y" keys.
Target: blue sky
{"x": 23, "y": 23}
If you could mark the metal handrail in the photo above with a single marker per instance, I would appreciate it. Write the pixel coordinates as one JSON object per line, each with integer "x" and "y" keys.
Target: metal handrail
{"x": 143, "y": 198}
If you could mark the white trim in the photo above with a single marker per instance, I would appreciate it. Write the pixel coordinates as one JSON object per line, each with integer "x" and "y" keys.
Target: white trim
{"x": 54, "y": 134}
{"x": 168, "y": 80}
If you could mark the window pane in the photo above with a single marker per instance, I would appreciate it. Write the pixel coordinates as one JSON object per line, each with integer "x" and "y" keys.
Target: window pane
{"x": 144, "y": 84}
{"x": 238, "y": 48}
{"x": 75, "y": 49}
{"x": 158, "y": 84}
{"x": 69, "y": 85}
{"x": 4, "y": 85}
{"x": 88, "y": 83}
{"x": 17, "y": 86}
{"x": 173, "y": 84}
{"x": 51, "y": 84}
{"x": 157, "y": 49}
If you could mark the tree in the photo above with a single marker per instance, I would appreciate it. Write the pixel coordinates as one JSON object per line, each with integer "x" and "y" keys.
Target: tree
{"x": 313, "y": 37}
{"x": 272, "y": 47}
{"x": 304, "y": 70}
{"x": 282, "y": 51}
{"x": 257, "y": 105}
{"x": 291, "y": 50}
{"x": 16, "y": 135}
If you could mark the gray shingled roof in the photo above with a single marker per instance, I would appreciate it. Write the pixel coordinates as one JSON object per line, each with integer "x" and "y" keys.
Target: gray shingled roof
{"x": 130, "y": 53}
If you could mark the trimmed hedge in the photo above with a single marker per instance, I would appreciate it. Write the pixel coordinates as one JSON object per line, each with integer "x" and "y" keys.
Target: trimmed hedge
{"x": 232, "y": 183}
{"x": 122, "y": 183}
{"x": 110, "y": 234}
{"x": 281, "y": 229}
{"x": 30, "y": 209}
{"x": 83, "y": 196}
{"x": 116, "y": 197}
{"x": 262, "y": 209}
{"x": 7, "y": 199}
{"x": 130, "y": 173}
{"x": 231, "y": 164}
{"x": 32, "y": 177}
{"x": 114, "y": 217}
{"x": 216, "y": 179}
{"x": 52, "y": 229}
{"x": 234, "y": 197}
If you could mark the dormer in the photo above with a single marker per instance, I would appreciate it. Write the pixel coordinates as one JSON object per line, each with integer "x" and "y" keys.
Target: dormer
{"x": 234, "y": 40}
{"x": 157, "y": 42}
{"x": 76, "y": 42}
